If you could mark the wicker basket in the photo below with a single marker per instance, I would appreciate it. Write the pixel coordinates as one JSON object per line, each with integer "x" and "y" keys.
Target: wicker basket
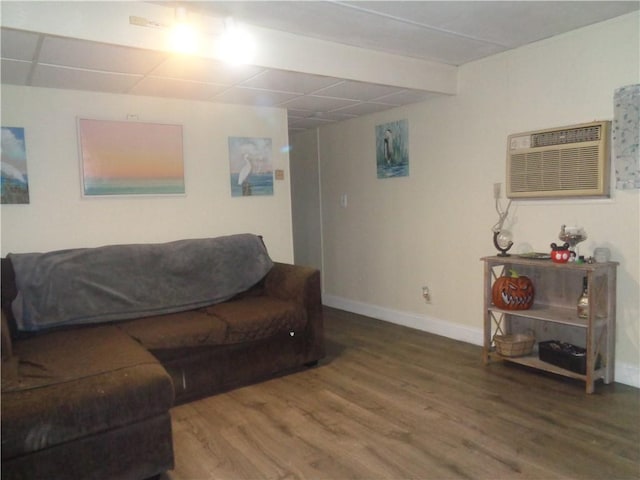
{"x": 516, "y": 345}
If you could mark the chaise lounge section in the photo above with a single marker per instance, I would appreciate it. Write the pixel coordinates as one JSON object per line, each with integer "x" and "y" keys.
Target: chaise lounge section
{"x": 92, "y": 404}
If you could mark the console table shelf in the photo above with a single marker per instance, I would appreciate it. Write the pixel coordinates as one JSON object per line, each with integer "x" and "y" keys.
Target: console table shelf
{"x": 553, "y": 315}
{"x": 548, "y": 313}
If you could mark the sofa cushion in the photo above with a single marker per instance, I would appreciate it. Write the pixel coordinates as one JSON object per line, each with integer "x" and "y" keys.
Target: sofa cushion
{"x": 256, "y": 318}
{"x": 185, "y": 329}
{"x": 73, "y": 384}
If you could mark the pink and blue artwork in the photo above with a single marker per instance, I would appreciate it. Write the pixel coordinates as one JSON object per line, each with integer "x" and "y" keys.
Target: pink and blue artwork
{"x": 131, "y": 158}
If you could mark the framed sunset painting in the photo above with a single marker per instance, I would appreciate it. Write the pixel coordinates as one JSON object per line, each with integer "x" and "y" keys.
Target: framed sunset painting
{"x": 130, "y": 158}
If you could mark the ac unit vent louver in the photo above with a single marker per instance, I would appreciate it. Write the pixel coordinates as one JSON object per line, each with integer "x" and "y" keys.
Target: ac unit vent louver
{"x": 563, "y": 162}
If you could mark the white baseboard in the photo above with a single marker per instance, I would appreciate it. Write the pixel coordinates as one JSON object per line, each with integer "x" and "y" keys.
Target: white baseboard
{"x": 413, "y": 320}
{"x": 625, "y": 373}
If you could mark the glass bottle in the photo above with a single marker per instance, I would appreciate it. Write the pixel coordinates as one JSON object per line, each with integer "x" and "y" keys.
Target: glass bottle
{"x": 583, "y": 300}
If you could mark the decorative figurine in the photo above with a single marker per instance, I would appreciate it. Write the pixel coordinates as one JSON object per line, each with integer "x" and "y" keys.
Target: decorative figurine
{"x": 560, "y": 254}
{"x": 501, "y": 237}
{"x": 502, "y": 242}
{"x": 513, "y": 292}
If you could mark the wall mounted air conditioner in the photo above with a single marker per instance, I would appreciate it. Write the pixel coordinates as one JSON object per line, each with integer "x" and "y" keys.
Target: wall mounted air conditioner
{"x": 559, "y": 162}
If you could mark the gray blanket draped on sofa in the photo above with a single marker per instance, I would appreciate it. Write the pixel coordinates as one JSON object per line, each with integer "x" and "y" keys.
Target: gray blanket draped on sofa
{"x": 131, "y": 281}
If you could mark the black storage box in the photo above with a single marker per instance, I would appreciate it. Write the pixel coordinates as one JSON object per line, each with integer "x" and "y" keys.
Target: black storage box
{"x": 564, "y": 355}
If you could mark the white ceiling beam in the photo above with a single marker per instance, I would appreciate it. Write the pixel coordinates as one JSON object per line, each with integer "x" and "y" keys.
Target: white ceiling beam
{"x": 304, "y": 54}
{"x": 108, "y": 22}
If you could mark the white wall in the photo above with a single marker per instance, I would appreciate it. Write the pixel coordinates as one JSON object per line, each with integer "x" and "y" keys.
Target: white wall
{"x": 432, "y": 227}
{"x": 58, "y": 217}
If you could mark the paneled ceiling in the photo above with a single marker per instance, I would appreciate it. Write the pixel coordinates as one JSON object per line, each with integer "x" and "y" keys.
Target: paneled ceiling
{"x": 423, "y": 33}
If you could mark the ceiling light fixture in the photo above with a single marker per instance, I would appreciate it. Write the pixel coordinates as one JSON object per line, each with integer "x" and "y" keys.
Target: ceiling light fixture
{"x": 236, "y": 45}
{"x": 183, "y": 37}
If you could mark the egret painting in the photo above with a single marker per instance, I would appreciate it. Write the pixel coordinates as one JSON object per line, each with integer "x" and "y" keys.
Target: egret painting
{"x": 131, "y": 158}
{"x": 250, "y": 165}
{"x": 392, "y": 149}
{"x": 15, "y": 181}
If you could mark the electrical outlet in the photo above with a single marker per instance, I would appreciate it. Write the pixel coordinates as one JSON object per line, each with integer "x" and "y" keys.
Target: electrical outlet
{"x": 497, "y": 187}
{"x": 426, "y": 294}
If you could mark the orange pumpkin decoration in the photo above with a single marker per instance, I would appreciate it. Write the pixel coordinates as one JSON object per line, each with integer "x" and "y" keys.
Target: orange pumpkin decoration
{"x": 513, "y": 292}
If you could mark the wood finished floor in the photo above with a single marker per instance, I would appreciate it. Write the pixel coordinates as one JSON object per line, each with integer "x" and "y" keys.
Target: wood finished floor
{"x": 389, "y": 402}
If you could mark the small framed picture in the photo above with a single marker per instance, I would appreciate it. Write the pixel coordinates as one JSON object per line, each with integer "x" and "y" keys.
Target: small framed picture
{"x": 392, "y": 149}
{"x": 250, "y": 166}
{"x": 15, "y": 181}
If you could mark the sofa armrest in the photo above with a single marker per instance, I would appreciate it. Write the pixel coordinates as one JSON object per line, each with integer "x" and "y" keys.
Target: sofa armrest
{"x": 294, "y": 283}
{"x": 301, "y": 285}
{"x": 6, "y": 344}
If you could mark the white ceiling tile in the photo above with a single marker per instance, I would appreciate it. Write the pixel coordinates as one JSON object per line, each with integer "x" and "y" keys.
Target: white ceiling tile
{"x": 72, "y": 78}
{"x": 405, "y": 97}
{"x": 293, "y": 16}
{"x": 299, "y": 113}
{"x": 310, "y": 122}
{"x": 506, "y": 23}
{"x": 453, "y": 32}
{"x": 292, "y": 82}
{"x": 15, "y": 72}
{"x": 364, "y": 109}
{"x": 333, "y": 21}
{"x": 335, "y": 116}
{"x": 19, "y": 45}
{"x": 98, "y": 56}
{"x": 381, "y": 32}
{"x": 358, "y": 91}
{"x": 204, "y": 70}
{"x": 318, "y": 104}
{"x": 263, "y": 98}
{"x": 174, "y": 88}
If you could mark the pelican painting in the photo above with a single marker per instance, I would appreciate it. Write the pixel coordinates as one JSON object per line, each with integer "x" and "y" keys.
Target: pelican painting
{"x": 250, "y": 166}
{"x": 392, "y": 149}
